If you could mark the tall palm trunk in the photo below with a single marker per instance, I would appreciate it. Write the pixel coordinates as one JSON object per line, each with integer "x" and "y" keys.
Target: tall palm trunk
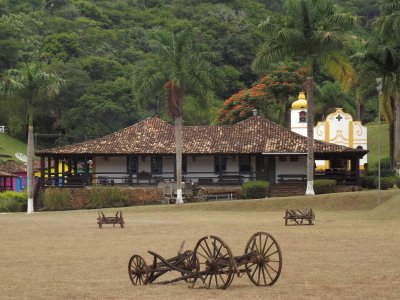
{"x": 178, "y": 148}
{"x": 30, "y": 153}
{"x": 391, "y": 144}
{"x": 310, "y": 138}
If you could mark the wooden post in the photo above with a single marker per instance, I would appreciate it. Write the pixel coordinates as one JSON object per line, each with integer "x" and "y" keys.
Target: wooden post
{"x": 42, "y": 172}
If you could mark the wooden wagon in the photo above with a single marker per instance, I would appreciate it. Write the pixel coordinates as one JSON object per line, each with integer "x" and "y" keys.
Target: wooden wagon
{"x": 191, "y": 192}
{"x": 117, "y": 219}
{"x": 212, "y": 265}
{"x": 298, "y": 216}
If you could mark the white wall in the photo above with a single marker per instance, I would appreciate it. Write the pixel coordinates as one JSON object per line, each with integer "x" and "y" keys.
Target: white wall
{"x": 291, "y": 167}
{"x": 200, "y": 166}
{"x": 112, "y": 164}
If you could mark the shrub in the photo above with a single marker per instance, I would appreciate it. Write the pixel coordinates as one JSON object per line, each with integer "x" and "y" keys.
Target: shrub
{"x": 255, "y": 189}
{"x": 324, "y": 186}
{"x": 387, "y": 182}
{"x": 13, "y": 201}
{"x": 107, "y": 197}
{"x": 386, "y": 171}
{"x": 396, "y": 179}
{"x": 369, "y": 182}
{"x": 56, "y": 199}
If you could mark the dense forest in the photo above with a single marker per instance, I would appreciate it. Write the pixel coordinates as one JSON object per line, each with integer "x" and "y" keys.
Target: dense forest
{"x": 106, "y": 54}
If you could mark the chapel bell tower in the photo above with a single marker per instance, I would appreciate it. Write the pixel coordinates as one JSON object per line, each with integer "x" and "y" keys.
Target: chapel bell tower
{"x": 298, "y": 115}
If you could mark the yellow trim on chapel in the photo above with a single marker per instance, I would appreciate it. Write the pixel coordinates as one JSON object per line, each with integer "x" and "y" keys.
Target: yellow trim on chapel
{"x": 327, "y": 139}
{"x": 351, "y": 134}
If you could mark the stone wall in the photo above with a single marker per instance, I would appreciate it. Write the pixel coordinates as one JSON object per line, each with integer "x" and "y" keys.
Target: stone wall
{"x": 137, "y": 196}
{"x": 145, "y": 195}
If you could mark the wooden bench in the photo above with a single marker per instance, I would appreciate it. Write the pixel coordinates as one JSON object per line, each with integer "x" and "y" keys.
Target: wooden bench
{"x": 144, "y": 176}
{"x": 299, "y": 215}
{"x": 292, "y": 177}
{"x": 230, "y": 179}
{"x": 102, "y": 219}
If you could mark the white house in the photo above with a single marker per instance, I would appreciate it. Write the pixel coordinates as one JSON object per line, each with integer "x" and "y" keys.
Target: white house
{"x": 144, "y": 153}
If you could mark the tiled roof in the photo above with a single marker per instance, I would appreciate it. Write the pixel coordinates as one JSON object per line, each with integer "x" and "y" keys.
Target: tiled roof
{"x": 11, "y": 166}
{"x": 6, "y": 174}
{"x": 154, "y": 136}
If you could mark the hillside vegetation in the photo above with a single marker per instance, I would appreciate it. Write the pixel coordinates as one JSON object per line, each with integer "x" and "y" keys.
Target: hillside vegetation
{"x": 10, "y": 146}
{"x": 95, "y": 45}
{"x": 373, "y": 143}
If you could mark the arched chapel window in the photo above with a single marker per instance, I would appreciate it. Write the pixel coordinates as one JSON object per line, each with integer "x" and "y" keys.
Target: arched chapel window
{"x": 302, "y": 116}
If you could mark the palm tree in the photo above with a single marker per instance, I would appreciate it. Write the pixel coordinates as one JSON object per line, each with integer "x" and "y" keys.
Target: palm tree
{"x": 329, "y": 96}
{"x": 30, "y": 84}
{"x": 314, "y": 31}
{"x": 388, "y": 26}
{"x": 179, "y": 67}
{"x": 384, "y": 62}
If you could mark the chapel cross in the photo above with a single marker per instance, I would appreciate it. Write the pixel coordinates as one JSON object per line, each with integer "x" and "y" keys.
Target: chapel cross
{"x": 339, "y": 117}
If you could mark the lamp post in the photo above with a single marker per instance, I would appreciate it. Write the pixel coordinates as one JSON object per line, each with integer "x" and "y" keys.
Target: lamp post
{"x": 379, "y": 88}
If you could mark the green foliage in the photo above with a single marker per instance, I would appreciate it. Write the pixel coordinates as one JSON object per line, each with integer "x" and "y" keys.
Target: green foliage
{"x": 397, "y": 180}
{"x": 100, "y": 68}
{"x": 270, "y": 96}
{"x": 13, "y": 201}
{"x": 107, "y": 197}
{"x": 106, "y": 40}
{"x": 92, "y": 12}
{"x": 10, "y": 146}
{"x": 387, "y": 182}
{"x": 255, "y": 189}
{"x": 373, "y": 148}
{"x": 56, "y": 199}
{"x": 61, "y": 46}
{"x": 330, "y": 96}
{"x": 324, "y": 186}
{"x": 369, "y": 182}
{"x": 385, "y": 167}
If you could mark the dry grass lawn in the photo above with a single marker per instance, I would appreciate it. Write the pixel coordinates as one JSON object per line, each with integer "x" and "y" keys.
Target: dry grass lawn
{"x": 352, "y": 251}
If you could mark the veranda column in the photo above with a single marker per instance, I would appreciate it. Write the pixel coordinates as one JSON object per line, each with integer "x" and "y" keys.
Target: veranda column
{"x": 42, "y": 172}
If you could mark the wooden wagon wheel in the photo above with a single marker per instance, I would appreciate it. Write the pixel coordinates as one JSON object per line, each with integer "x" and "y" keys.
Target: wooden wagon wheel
{"x": 216, "y": 262}
{"x": 138, "y": 270}
{"x": 190, "y": 263}
{"x": 202, "y": 195}
{"x": 265, "y": 267}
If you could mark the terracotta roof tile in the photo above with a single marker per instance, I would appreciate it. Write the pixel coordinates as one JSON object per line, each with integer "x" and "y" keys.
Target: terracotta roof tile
{"x": 11, "y": 166}
{"x": 6, "y": 174}
{"x": 154, "y": 136}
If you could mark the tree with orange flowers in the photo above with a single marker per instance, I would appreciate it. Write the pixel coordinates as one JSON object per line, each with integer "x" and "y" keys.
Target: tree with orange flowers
{"x": 271, "y": 96}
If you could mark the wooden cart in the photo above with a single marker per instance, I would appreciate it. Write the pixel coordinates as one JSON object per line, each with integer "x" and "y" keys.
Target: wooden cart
{"x": 298, "y": 216}
{"x": 191, "y": 192}
{"x": 117, "y": 219}
{"x": 212, "y": 265}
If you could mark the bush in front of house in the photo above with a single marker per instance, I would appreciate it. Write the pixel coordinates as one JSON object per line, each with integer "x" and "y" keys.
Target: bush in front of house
{"x": 56, "y": 199}
{"x": 13, "y": 201}
{"x": 387, "y": 182}
{"x": 107, "y": 197}
{"x": 255, "y": 189}
{"x": 397, "y": 179}
{"x": 324, "y": 186}
{"x": 369, "y": 182}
